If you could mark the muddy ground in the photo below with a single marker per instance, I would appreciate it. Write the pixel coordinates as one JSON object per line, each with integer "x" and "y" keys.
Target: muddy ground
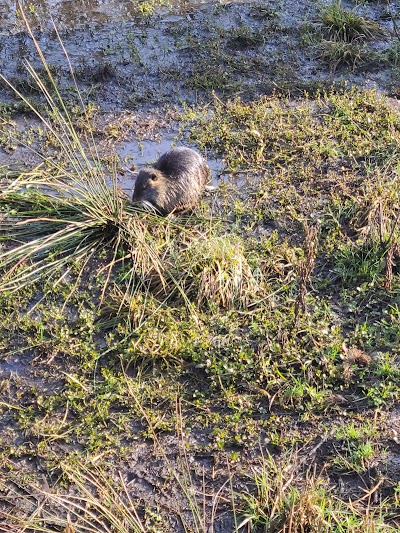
{"x": 136, "y": 74}
{"x": 242, "y": 49}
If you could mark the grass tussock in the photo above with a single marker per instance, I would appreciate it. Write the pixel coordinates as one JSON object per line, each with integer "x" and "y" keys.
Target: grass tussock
{"x": 338, "y": 53}
{"x": 340, "y": 24}
{"x": 343, "y": 36}
{"x": 288, "y": 499}
{"x": 221, "y": 272}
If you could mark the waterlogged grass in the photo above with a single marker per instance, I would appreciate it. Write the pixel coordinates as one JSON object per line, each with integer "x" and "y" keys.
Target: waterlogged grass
{"x": 155, "y": 367}
{"x": 340, "y": 37}
{"x": 335, "y": 157}
{"x": 341, "y": 24}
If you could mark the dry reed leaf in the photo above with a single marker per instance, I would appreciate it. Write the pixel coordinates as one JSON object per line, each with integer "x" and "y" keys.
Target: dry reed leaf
{"x": 355, "y": 355}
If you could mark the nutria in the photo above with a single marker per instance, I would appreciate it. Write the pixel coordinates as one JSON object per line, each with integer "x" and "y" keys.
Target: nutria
{"x": 174, "y": 183}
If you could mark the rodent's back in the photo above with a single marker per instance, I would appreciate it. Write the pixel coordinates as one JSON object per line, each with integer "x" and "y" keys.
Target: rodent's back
{"x": 182, "y": 162}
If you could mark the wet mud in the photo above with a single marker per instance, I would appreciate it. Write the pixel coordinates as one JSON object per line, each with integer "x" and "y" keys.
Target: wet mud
{"x": 237, "y": 48}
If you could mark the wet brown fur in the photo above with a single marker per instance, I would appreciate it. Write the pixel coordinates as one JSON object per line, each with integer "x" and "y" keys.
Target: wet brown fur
{"x": 175, "y": 182}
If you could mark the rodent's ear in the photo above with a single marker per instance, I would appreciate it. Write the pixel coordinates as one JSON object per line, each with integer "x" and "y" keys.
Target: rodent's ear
{"x": 153, "y": 177}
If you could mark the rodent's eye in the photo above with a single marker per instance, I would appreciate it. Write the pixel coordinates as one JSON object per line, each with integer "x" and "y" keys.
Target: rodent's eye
{"x": 153, "y": 177}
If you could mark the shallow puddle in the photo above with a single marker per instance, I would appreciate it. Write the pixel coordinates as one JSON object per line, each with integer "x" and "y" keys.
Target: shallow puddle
{"x": 68, "y": 14}
{"x": 138, "y": 154}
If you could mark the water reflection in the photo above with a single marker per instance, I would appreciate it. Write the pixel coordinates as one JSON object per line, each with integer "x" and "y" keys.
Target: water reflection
{"x": 68, "y": 14}
{"x": 147, "y": 151}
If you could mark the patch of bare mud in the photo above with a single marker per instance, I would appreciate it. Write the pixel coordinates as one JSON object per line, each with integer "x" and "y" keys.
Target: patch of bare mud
{"x": 235, "y": 49}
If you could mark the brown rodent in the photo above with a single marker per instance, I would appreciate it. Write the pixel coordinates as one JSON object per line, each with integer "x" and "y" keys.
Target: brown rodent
{"x": 174, "y": 183}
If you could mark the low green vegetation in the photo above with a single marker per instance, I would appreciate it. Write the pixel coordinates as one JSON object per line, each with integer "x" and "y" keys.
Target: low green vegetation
{"x": 240, "y": 360}
{"x": 148, "y": 7}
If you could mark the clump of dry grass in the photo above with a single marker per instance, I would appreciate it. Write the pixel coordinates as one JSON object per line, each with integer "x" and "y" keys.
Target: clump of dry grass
{"x": 219, "y": 272}
{"x": 306, "y": 266}
{"x": 98, "y": 503}
{"x": 291, "y": 498}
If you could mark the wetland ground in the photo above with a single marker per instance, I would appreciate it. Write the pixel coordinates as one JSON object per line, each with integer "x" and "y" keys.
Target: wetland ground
{"x": 234, "y": 369}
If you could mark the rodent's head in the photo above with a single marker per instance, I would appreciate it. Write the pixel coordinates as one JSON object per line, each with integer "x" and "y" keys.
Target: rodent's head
{"x": 150, "y": 188}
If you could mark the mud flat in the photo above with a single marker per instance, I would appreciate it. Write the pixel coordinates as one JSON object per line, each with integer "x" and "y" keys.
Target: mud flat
{"x": 235, "y": 49}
